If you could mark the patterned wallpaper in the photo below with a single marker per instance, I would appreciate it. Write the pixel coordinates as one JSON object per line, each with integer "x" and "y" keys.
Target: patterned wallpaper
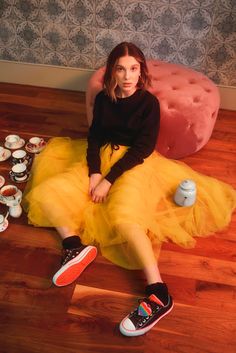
{"x": 80, "y": 33}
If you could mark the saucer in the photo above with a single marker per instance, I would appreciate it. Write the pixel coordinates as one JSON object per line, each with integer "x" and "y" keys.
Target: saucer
{"x": 7, "y": 155}
{"x": 20, "y": 180}
{"x": 2, "y": 181}
{"x": 33, "y": 149}
{"x": 16, "y": 145}
{"x": 4, "y": 225}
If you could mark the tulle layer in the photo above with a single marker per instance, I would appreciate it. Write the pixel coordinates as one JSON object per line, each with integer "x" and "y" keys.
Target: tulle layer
{"x": 57, "y": 195}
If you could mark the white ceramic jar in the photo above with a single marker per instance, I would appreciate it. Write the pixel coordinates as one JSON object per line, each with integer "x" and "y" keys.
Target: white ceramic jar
{"x": 186, "y": 193}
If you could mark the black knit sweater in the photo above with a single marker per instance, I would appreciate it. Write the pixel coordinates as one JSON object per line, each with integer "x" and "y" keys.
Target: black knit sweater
{"x": 132, "y": 121}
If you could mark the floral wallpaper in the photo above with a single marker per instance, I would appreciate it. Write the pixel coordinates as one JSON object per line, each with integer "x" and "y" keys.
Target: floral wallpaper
{"x": 80, "y": 33}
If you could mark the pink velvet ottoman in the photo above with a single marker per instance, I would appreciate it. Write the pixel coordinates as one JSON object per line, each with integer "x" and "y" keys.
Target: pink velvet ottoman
{"x": 189, "y": 106}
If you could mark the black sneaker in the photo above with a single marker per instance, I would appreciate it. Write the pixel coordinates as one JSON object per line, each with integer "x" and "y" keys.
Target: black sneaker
{"x": 145, "y": 316}
{"x": 74, "y": 262}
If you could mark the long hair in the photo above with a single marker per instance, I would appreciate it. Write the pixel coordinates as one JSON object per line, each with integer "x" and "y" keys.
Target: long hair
{"x": 123, "y": 49}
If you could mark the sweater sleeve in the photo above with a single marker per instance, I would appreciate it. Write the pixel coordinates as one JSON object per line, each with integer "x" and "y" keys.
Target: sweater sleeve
{"x": 94, "y": 139}
{"x": 144, "y": 143}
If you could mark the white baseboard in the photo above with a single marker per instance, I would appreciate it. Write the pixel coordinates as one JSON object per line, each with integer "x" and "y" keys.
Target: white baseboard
{"x": 227, "y": 97}
{"x": 44, "y": 75}
{"x": 74, "y": 79}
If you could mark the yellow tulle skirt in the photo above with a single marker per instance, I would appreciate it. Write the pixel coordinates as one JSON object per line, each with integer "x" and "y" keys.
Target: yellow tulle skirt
{"x": 57, "y": 196}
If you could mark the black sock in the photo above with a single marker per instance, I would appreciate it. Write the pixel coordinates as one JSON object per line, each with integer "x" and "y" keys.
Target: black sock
{"x": 160, "y": 290}
{"x": 71, "y": 242}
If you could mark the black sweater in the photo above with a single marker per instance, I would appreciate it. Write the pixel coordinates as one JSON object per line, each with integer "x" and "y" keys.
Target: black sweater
{"x": 132, "y": 121}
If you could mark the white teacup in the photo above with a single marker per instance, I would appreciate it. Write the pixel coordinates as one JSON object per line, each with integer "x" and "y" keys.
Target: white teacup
{"x": 20, "y": 156}
{"x": 8, "y": 192}
{"x": 2, "y": 152}
{"x": 12, "y": 139}
{"x": 10, "y": 195}
{"x": 19, "y": 171}
{"x": 36, "y": 142}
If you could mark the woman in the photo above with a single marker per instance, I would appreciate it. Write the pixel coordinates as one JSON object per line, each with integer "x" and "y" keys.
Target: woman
{"x": 114, "y": 191}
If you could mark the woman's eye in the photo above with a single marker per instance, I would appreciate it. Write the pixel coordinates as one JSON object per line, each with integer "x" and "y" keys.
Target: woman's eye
{"x": 119, "y": 69}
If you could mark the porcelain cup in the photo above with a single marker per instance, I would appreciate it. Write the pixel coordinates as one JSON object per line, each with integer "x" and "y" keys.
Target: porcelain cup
{"x": 19, "y": 171}
{"x": 20, "y": 156}
{"x": 12, "y": 140}
{"x": 36, "y": 142}
{"x": 10, "y": 195}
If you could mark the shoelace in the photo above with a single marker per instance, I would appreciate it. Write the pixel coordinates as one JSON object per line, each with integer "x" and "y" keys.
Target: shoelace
{"x": 67, "y": 254}
{"x": 154, "y": 306}
{"x": 140, "y": 319}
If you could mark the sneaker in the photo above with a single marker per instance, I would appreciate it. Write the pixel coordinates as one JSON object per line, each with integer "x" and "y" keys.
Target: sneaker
{"x": 145, "y": 316}
{"x": 74, "y": 262}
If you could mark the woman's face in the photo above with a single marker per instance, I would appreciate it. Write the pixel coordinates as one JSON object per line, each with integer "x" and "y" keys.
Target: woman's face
{"x": 127, "y": 73}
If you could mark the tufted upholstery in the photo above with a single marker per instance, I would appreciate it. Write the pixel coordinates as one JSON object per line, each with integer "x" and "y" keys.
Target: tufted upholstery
{"x": 189, "y": 106}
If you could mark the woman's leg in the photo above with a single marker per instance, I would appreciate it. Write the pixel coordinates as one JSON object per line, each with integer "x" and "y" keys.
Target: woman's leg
{"x": 75, "y": 256}
{"x": 158, "y": 302}
{"x": 142, "y": 247}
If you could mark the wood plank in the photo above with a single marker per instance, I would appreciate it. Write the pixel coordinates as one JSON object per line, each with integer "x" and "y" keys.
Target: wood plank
{"x": 198, "y": 267}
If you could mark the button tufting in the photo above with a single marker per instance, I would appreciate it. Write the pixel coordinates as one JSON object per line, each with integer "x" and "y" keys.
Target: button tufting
{"x": 208, "y": 90}
{"x": 175, "y": 88}
{"x": 192, "y": 81}
{"x": 196, "y": 99}
{"x": 174, "y": 73}
{"x": 171, "y": 106}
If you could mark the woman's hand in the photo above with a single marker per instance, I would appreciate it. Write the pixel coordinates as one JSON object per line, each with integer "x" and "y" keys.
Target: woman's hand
{"x": 94, "y": 180}
{"x": 100, "y": 192}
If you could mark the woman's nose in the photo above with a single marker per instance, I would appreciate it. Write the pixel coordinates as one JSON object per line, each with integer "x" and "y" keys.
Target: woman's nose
{"x": 126, "y": 74}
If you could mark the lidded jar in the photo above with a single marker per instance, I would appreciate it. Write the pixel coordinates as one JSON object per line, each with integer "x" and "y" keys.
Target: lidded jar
{"x": 186, "y": 193}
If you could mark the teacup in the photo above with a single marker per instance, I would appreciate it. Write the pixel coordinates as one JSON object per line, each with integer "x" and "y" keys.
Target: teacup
{"x": 36, "y": 142}
{"x": 8, "y": 192}
{"x": 2, "y": 152}
{"x": 19, "y": 171}
{"x": 10, "y": 195}
{"x": 12, "y": 140}
{"x": 20, "y": 156}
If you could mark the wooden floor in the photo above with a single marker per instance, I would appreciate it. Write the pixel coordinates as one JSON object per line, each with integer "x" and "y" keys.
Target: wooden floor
{"x": 36, "y": 317}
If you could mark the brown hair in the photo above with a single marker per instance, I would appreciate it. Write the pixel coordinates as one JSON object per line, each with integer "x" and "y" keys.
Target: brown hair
{"x": 123, "y": 49}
